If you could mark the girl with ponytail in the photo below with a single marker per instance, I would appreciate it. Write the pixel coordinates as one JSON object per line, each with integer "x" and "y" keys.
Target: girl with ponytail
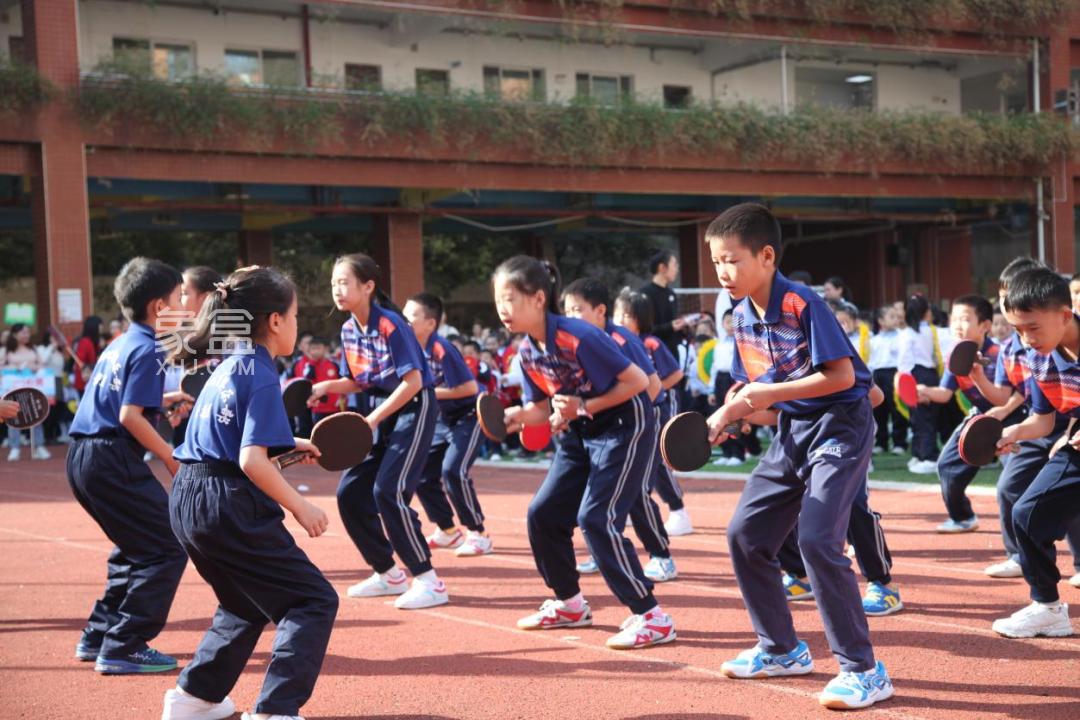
{"x": 382, "y": 359}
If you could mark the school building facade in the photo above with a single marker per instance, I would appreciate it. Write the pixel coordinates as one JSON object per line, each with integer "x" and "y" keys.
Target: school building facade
{"x": 453, "y": 115}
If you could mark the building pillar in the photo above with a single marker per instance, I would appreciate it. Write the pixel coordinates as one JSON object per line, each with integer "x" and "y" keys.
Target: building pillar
{"x": 58, "y": 196}
{"x": 399, "y": 250}
{"x": 1060, "y": 194}
{"x": 256, "y": 247}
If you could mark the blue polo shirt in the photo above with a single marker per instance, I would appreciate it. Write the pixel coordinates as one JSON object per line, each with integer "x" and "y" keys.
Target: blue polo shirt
{"x": 240, "y": 406}
{"x": 1055, "y": 383}
{"x": 1011, "y": 369}
{"x": 966, "y": 385}
{"x": 797, "y": 336}
{"x": 448, "y": 370}
{"x": 662, "y": 359}
{"x": 131, "y": 371}
{"x": 378, "y": 356}
{"x": 580, "y": 359}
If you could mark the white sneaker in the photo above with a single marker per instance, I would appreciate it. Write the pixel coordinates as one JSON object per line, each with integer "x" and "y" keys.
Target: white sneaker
{"x": 1034, "y": 620}
{"x": 854, "y": 690}
{"x": 922, "y": 467}
{"x": 475, "y": 544}
{"x": 555, "y": 614}
{"x": 41, "y": 453}
{"x": 661, "y": 569}
{"x": 678, "y": 523}
{"x": 14, "y": 454}
{"x": 877, "y": 450}
{"x": 641, "y": 631}
{"x": 1008, "y": 569}
{"x": 264, "y": 716}
{"x": 423, "y": 594}
{"x": 898, "y": 451}
{"x": 181, "y": 706}
{"x": 395, "y": 582}
{"x": 1075, "y": 580}
{"x": 442, "y": 540}
{"x": 495, "y": 457}
{"x": 952, "y": 527}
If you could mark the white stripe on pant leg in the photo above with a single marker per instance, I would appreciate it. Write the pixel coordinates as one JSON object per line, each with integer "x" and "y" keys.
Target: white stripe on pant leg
{"x": 616, "y": 537}
{"x": 403, "y": 507}
{"x": 646, "y": 500}
{"x": 467, "y": 490}
{"x": 879, "y": 537}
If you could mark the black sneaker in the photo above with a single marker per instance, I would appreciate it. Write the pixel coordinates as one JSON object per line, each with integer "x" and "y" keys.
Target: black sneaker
{"x": 89, "y": 646}
{"x": 147, "y": 660}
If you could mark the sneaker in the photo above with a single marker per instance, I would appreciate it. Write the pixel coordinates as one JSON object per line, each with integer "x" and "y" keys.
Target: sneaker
{"x": 853, "y": 690}
{"x": 147, "y": 660}
{"x": 641, "y": 631}
{"x": 554, "y": 614}
{"x": 898, "y": 451}
{"x": 922, "y": 467}
{"x": 181, "y": 706}
{"x": 40, "y": 453}
{"x": 423, "y": 594}
{"x": 588, "y": 566}
{"x": 14, "y": 454}
{"x": 678, "y": 523}
{"x": 1075, "y": 580}
{"x": 878, "y": 450}
{"x": 952, "y": 527}
{"x": 495, "y": 457}
{"x": 377, "y": 585}
{"x": 264, "y": 716}
{"x": 756, "y": 663}
{"x": 660, "y": 569}
{"x": 441, "y": 540}
{"x": 881, "y": 600}
{"x": 796, "y": 589}
{"x": 1008, "y": 569}
{"x": 89, "y": 646}
{"x": 475, "y": 544}
{"x": 1034, "y": 620}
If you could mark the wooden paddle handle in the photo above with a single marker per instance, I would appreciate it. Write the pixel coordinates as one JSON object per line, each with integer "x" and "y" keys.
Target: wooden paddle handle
{"x": 291, "y": 458}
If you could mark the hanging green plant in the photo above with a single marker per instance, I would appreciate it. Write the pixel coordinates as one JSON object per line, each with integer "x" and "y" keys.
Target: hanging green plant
{"x": 22, "y": 89}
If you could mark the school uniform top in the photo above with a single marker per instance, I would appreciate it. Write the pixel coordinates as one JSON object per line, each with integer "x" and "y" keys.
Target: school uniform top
{"x": 1055, "y": 383}
{"x": 239, "y": 406}
{"x": 915, "y": 348}
{"x": 1011, "y": 369}
{"x": 884, "y": 350}
{"x": 634, "y": 350}
{"x": 966, "y": 385}
{"x": 378, "y": 357}
{"x": 797, "y": 336}
{"x": 662, "y": 359}
{"x": 578, "y": 359}
{"x": 131, "y": 371}
{"x": 448, "y": 369}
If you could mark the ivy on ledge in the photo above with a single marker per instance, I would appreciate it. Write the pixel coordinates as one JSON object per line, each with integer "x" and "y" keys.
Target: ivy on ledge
{"x": 22, "y": 89}
{"x": 205, "y": 112}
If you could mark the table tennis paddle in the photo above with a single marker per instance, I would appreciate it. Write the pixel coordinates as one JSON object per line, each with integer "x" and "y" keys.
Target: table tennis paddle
{"x": 492, "y": 417}
{"x": 908, "y": 389}
{"x": 963, "y": 357}
{"x": 684, "y": 442}
{"x": 344, "y": 439}
{"x": 295, "y": 395}
{"x": 33, "y": 407}
{"x": 978, "y": 440}
{"x": 535, "y": 438}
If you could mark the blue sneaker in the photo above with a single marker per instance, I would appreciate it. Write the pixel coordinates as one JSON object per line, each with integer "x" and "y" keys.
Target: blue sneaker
{"x": 588, "y": 566}
{"x": 880, "y": 600}
{"x": 854, "y": 690}
{"x": 89, "y": 646}
{"x": 796, "y": 589}
{"x": 147, "y": 660}
{"x": 756, "y": 663}
{"x": 661, "y": 569}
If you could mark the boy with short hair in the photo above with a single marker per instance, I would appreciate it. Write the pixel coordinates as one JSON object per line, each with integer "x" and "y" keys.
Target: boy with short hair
{"x": 317, "y": 367}
{"x": 107, "y": 474}
{"x": 793, "y": 355}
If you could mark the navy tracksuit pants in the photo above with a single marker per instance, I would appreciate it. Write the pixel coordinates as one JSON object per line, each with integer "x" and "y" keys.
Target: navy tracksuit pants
{"x": 1044, "y": 514}
{"x": 644, "y": 514}
{"x": 955, "y": 475}
{"x": 446, "y": 473}
{"x": 810, "y": 475}
{"x": 118, "y": 490}
{"x": 594, "y": 480}
{"x": 377, "y": 491}
{"x": 234, "y": 534}
{"x": 665, "y": 483}
{"x": 924, "y": 418}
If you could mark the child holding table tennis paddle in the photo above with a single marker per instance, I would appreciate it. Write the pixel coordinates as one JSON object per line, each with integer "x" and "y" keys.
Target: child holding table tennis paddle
{"x": 226, "y": 510}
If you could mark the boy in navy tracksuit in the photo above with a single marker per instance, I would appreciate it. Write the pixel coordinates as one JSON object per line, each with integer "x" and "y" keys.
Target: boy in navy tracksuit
{"x": 794, "y": 355}
{"x": 107, "y": 474}
{"x": 576, "y": 375}
{"x": 226, "y": 510}
{"x": 1039, "y": 306}
{"x": 588, "y": 300}
{"x": 457, "y": 437}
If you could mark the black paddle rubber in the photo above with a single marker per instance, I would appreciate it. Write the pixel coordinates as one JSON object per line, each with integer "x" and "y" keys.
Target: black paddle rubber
{"x": 490, "y": 412}
{"x": 295, "y": 395}
{"x": 344, "y": 439}
{"x": 978, "y": 440}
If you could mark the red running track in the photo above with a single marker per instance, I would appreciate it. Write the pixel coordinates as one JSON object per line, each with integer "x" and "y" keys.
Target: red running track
{"x": 467, "y": 661}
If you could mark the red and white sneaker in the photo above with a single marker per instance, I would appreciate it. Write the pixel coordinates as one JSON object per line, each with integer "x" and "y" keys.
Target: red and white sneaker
{"x": 394, "y": 582}
{"x": 440, "y": 540}
{"x": 475, "y": 544}
{"x": 641, "y": 631}
{"x": 554, "y": 614}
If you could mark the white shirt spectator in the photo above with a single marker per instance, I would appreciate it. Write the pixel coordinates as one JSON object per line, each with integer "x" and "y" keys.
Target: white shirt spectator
{"x": 916, "y": 348}
{"x": 884, "y": 350}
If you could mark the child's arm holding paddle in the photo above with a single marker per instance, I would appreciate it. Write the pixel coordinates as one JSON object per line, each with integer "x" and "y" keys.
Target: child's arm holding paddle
{"x": 1012, "y": 404}
{"x": 340, "y": 386}
{"x": 464, "y": 390}
{"x": 629, "y": 383}
{"x": 532, "y": 413}
{"x": 1032, "y": 428}
{"x": 997, "y": 394}
{"x": 260, "y": 469}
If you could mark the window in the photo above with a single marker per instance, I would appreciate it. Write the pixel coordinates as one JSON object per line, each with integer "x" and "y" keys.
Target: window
{"x": 278, "y": 68}
{"x": 366, "y": 78}
{"x": 166, "y": 61}
{"x": 514, "y": 84}
{"x": 830, "y": 87}
{"x": 432, "y": 82}
{"x": 676, "y": 96}
{"x": 605, "y": 89}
